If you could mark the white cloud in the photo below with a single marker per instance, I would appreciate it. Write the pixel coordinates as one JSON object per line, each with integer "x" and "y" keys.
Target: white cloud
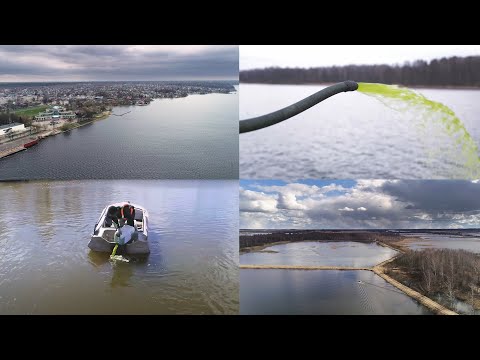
{"x": 368, "y": 204}
{"x": 251, "y": 201}
{"x": 289, "y": 202}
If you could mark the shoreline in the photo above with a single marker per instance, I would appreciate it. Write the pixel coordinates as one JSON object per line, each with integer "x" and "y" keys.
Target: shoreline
{"x": 400, "y": 245}
{"x": 45, "y": 134}
{"x": 103, "y": 116}
{"x": 422, "y": 299}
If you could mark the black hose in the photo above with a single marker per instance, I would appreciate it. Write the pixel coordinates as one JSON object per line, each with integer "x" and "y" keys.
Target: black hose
{"x": 275, "y": 117}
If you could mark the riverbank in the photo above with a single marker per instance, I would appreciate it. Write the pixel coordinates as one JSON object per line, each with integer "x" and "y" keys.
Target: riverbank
{"x": 448, "y": 275}
{"x": 422, "y": 299}
{"x": 44, "y": 134}
{"x": 259, "y": 241}
{"x": 11, "y": 151}
{"x": 101, "y": 116}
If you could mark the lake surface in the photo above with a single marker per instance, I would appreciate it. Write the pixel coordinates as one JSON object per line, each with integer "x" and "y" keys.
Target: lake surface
{"x": 315, "y": 253}
{"x": 350, "y": 136}
{"x": 437, "y": 241}
{"x": 326, "y": 292}
{"x": 47, "y": 268}
{"x": 195, "y": 137}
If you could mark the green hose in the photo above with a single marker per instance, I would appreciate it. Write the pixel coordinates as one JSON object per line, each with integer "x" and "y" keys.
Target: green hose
{"x": 275, "y": 117}
{"x": 114, "y": 250}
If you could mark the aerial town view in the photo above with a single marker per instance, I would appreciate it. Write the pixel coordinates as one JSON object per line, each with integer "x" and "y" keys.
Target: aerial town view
{"x": 30, "y": 112}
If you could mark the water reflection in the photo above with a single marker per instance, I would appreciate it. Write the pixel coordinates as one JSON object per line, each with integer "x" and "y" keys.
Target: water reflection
{"x": 327, "y": 292}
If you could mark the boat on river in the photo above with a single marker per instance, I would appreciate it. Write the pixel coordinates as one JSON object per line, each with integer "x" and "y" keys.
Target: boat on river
{"x": 104, "y": 235}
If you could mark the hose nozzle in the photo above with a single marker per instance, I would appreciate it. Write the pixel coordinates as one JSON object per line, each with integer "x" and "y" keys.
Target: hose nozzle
{"x": 351, "y": 85}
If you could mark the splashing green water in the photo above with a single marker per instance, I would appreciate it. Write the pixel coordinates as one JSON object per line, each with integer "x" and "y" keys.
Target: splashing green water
{"x": 404, "y": 99}
{"x": 118, "y": 258}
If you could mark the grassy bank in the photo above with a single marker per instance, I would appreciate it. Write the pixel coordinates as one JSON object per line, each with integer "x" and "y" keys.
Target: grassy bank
{"x": 443, "y": 273}
{"x": 31, "y": 111}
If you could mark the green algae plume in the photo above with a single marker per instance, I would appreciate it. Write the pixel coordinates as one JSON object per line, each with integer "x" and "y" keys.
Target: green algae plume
{"x": 404, "y": 99}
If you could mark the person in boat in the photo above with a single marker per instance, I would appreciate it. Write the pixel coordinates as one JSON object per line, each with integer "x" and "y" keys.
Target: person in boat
{"x": 113, "y": 215}
{"x": 126, "y": 232}
{"x": 127, "y": 212}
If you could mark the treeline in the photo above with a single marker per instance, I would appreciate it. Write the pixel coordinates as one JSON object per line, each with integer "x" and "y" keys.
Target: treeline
{"x": 451, "y": 273}
{"x": 315, "y": 235}
{"x": 6, "y": 118}
{"x": 453, "y": 71}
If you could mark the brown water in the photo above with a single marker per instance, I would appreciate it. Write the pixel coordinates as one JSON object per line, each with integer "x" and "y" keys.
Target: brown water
{"x": 47, "y": 268}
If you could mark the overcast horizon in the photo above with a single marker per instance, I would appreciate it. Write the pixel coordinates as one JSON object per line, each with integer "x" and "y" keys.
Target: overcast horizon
{"x": 89, "y": 81}
{"x": 87, "y": 63}
{"x": 359, "y": 204}
{"x": 306, "y": 56}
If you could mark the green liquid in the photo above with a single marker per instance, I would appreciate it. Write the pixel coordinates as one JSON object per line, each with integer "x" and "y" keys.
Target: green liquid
{"x": 404, "y": 99}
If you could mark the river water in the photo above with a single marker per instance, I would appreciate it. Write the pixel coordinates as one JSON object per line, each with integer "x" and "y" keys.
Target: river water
{"x": 332, "y": 292}
{"x": 316, "y": 253}
{"x": 47, "y": 268}
{"x": 195, "y": 137}
{"x": 439, "y": 241}
{"x": 322, "y": 292}
{"x": 351, "y": 136}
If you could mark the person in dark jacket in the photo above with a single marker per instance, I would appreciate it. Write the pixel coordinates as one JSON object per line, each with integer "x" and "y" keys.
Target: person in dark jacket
{"x": 128, "y": 212}
{"x": 113, "y": 215}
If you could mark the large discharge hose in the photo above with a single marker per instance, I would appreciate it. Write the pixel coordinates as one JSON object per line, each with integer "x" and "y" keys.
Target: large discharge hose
{"x": 275, "y": 117}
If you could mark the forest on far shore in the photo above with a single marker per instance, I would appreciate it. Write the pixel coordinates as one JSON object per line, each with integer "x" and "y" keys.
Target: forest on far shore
{"x": 452, "y": 71}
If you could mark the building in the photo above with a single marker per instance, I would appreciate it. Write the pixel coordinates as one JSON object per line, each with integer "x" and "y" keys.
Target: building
{"x": 55, "y": 113}
{"x": 9, "y": 128}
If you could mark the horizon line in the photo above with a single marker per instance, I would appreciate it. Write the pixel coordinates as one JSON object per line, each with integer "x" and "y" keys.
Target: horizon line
{"x": 79, "y": 81}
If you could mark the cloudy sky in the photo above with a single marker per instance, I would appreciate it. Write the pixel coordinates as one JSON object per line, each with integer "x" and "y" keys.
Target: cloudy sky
{"x": 117, "y": 62}
{"x": 365, "y": 204}
{"x": 260, "y": 56}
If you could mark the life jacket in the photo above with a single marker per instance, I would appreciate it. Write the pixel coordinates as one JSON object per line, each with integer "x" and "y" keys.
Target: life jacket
{"x": 122, "y": 212}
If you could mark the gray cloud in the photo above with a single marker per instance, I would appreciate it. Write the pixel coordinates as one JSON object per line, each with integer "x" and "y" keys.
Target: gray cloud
{"x": 369, "y": 204}
{"x": 117, "y": 62}
{"x": 436, "y": 195}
